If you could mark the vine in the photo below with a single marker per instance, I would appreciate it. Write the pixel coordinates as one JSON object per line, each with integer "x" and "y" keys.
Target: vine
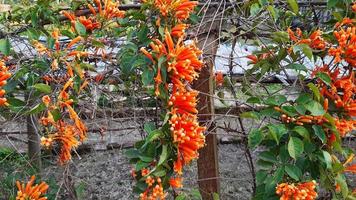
{"x": 160, "y": 158}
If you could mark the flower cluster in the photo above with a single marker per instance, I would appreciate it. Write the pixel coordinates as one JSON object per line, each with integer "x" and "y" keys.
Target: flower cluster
{"x": 4, "y": 75}
{"x": 300, "y": 191}
{"x": 182, "y": 64}
{"x": 67, "y": 134}
{"x": 179, "y": 9}
{"x": 346, "y": 38}
{"x": 315, "y": 40}
{"x": 109, "y": 11}
{"x": 30, "y": 191}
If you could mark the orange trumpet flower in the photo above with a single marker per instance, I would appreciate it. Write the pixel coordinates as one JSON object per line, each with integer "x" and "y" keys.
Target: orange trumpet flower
{"x": 30, "y": 191}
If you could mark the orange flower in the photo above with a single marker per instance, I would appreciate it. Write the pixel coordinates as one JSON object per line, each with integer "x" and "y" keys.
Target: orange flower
{"x": 46, "y": 100}
{"x": 188, "y": 135}
{"x": 179, "y": 30}
{"x": 150, "y": 181}
{"x": 315, "y": 40}
{"x": 78, "y": 123}
{"x": 4, "y": 75}
{"x": 40, "y": 48}
{"x": 68, "y": 140}
{"x": 46, "y": 141}
{"x": 219, "y": 78}
{"x": 74, "y": 41}
{"x": 89, "y": 23}
{"x": 184, "y": 102}
{"x": 351, "y": 168}
{"x": 111, "y": 9}
{"x": 176, "y": 182}
{"x": 253, "y": 59}
{"x": 55, "y": 35}
{"x": 346, "y": 38}
{"x": 181, "y": 9}
{"x": 300, "y": 191}
{"x": 30, "y": 191}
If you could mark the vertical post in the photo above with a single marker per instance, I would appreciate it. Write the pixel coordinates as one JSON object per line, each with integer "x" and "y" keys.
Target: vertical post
{"x": 34, "y": 141}
{"x": 208, "y": 169}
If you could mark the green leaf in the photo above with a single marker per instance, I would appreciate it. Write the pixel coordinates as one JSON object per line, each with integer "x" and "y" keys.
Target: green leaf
{"x": 276, "y": 100}
{"x": 308, "y": 52}
{"x": 324, "y": 77}
{"x": 272, "y": 11}
{"x": 302, "y": 131}
{"x": 140, "y": 165}
{"x": 216, "y": 196}
{"x": 164, "y": 155}
{"x": 315, "y": 91}
{"x": 277, "y": 131}
{"x": 278, "y": 175}
{"x": 293, "y": 171}
{"x": 196, "y": 195}
{"x": 255, "y": 137}
{"x": 343, "y": 185}
{"x": 315, "y": 108}
{"x": 44, "y": 88}
{"x": 318, "y": 130}
{"x": 80, "y": 28}
{"x": 132, "y": 153}
{"x": 263, "y": 165}
{"x": 250, "y": 114}
{"x": 295, "y": 147}
{"x": 268, "y": 156}
{"x": 261, "y": 176}
{"x": 280, "y": 36}
{"x": 293, "y": 5}
{"x": 5, "y": 46}
{"x": 332, "y": 3}
{"x": 297, "y": 67}
{"x": 181, "y": 197}
{"x": 37, "y": 109}
{"x": 154, "y": 135}
{"x": 147, "y": 76}
{"x": 255, "y": 9}
{"x": 253, "y": 100}
{"x": 327, "y": 159}
{"x": 149, "y": 127}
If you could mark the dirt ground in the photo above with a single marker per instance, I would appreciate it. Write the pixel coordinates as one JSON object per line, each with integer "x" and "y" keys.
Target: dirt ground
{"x": 105, "y": 175}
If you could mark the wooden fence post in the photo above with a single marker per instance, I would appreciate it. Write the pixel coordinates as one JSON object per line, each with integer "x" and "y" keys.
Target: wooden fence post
{"x": 208, "y": 169}
{"x": 34, "y": 141}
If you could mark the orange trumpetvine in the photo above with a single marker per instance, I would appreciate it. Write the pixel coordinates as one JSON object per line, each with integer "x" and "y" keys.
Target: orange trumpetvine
{"x": 176, "y": 182}
{"x": 188, "y": 135}
{"x": 55, "y": 35}
{"x": 179, "y": 30}
{"x": 181, "y": 9}
{"x": 74, "y": 41}
{"x": 78, "y": 123}
{"x": 46, "y": 100}
{"x": 253, "y": 58}
{"x": 110, "y": 10}
{"x": 299, "y": 191}
{"x": 4, "y": 76}
{"x": 184, "y": 102}
{"x": 46, "y": 141}
{"x": 346, "y": 37}
{"x": 219, "y": 78}
{"x": 41, "y": 49}
{"x": 67, "y": 137}
{"x": 30, "y": 191}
